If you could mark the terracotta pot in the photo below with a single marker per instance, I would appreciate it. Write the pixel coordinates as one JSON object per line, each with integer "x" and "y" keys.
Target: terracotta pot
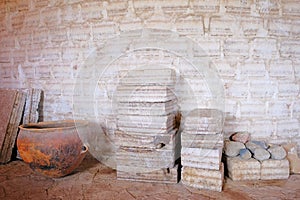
{"x": 52, "y": 148}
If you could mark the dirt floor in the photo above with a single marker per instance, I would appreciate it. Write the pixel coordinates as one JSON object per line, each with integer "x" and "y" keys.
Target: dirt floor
{"x": 92, "y": 180}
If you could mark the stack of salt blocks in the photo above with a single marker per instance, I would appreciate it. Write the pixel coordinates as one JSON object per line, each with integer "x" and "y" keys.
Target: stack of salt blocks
{"x": 147, "y": 129}
{"x": 201, "y": 153}
{"x": 253, "y": 159}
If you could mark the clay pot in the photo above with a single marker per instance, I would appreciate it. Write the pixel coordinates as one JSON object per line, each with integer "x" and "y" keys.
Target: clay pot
{"x": 52, "y": 148}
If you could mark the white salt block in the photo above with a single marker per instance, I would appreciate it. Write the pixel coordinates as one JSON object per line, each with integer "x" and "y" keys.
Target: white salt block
{"x": 153, "y": 141}
{"x": 144, "y": 93}
{"x": 201, "y": 157}
{"x": 275, "y": 169}
{"x": 146, "y": 121}
{"x": 155, "y": 175}
{"x": 203, "y": 178}
{"x": 148, "y": 76}
{"x": 239, "y": 169}
{"x": 163, "y": 156}
{"x": 292, "y": 156}
{"x": 201, "y": 140}
{"x": 147, "y": 108}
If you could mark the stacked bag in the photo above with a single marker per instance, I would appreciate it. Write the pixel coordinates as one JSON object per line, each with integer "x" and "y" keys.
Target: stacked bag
{"x": 147, "y": 126}
{"x": 201, "y": 153}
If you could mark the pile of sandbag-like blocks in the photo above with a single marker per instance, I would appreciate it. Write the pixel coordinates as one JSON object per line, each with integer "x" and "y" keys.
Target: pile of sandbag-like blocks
{"x": 254, "y": 159}
{"x": 147, "y": 129}
{"x": 202, "y": 143}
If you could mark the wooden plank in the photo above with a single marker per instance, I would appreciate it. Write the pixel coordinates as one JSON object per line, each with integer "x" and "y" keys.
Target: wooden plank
{"x": 31, "y": 114}
{"x": 12, "y": 127}
{"x": 7, "y": 99}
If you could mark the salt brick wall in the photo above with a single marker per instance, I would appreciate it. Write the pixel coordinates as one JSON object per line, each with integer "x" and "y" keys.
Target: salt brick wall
{"x": 254, "y": 45}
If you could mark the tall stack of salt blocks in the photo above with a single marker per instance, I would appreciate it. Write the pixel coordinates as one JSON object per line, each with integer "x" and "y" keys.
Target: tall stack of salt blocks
{"x": 147, "y": 136}
{"x": 201, "y": 153}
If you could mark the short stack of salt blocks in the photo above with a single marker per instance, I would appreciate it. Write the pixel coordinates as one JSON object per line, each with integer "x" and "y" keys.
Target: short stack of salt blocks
{"x": 239, "y": 169}
{"x": 201, "y": 153}
{"x": 262, "y": 162}
{"x": 147, "y": 137}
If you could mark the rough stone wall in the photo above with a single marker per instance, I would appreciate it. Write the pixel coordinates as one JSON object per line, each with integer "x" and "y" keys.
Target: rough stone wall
{"x": 253, "y": 43}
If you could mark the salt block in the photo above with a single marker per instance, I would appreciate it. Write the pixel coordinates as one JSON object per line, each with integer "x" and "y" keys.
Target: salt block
{"x": 201, "y": 140}
{"x": 294, "y": 163}
{"x": 204, "y": 127}
{"x": 275, "y": 169}
{"x": 292, "y": 156}
{"x": 145, "y": 121}
{"x": 163, "y": 156}
{"x": 195, "y": 131}
{"x": 144, "y": 140}
{"x": 164, "y": 175}
{"x": 147, "y": 93}
{"x": 201, "y": 157}
{"x": 161, "y": 76}
{"x": 203, "y": 178}
{"x": 197, "y": 115}
{"x": 239, "y": 169}
{"x": 140, "y": 108}
{"x": 147, "y": 130}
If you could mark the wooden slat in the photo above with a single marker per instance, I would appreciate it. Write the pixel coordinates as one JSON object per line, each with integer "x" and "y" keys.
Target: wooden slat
{"x": 31, "y": 114}
{"x": 7, "y": 99}
{"x": 12, "y": 127}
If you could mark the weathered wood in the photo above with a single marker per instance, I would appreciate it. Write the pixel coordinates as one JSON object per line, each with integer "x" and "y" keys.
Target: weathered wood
{"x": 15, "y": 102}
{"x": 31, "y": 114}
{"x": 6, "y": 102}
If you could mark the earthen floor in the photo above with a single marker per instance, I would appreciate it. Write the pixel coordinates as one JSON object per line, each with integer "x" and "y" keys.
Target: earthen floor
{"x": 93, "y": 180}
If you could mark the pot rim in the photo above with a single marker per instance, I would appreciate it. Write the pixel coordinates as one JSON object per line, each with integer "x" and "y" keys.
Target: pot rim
{"x": 71, "y": 124}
